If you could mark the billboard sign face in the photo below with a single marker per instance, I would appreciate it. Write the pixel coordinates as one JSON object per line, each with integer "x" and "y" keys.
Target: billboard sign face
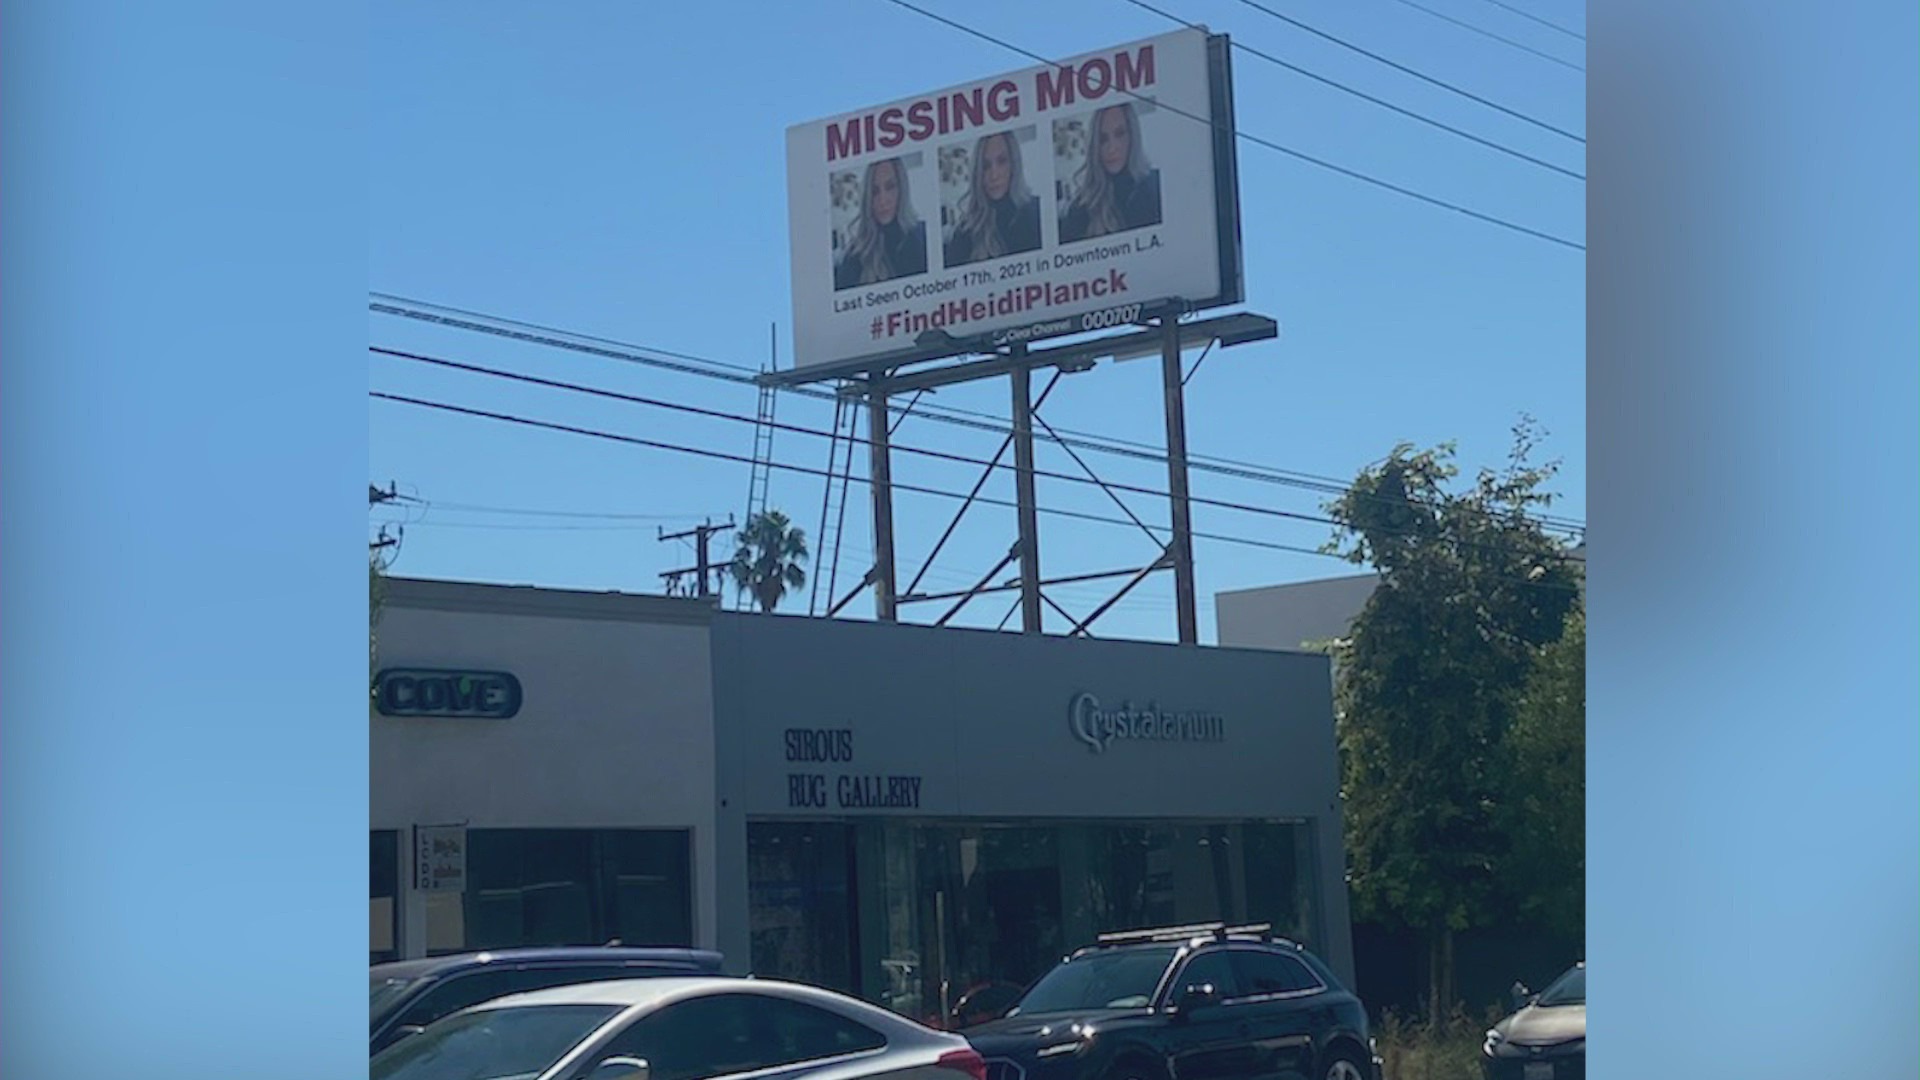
{"x": 1049, "y": 201}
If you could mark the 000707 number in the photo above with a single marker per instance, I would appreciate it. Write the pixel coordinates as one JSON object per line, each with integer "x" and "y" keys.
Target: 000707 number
{"x": 1113, "y": 316}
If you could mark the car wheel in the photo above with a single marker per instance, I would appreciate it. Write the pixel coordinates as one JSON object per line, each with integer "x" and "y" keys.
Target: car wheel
{"x": 1344, "y": 1066}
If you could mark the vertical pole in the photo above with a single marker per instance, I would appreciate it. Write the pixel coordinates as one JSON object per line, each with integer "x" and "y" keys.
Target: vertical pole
{"x": 700, "y": 542}
{"x": 881, "y": 472}
{"x": 1182, "y": 545}
{"x": 1024, "y": 497}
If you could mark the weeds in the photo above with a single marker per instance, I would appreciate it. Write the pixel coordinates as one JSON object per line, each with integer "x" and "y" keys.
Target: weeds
{"x": 1424, "y": 1050}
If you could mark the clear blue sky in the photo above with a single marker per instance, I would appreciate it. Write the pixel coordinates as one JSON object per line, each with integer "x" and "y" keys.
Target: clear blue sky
{"x": 616, "y": 168}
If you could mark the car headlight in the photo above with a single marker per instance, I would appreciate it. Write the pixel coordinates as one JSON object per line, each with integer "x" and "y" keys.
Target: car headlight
{"x": 1492, "y": 1044}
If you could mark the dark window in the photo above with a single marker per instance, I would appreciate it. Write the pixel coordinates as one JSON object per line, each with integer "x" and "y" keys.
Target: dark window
{"x": 646, "y": 880}
{"x": 578, "y": 887}
{"x": 474, "y": 987}
{"x": 1122, "y": 979}
{"x": 493, "y": 1042}
{"x": 1214, "y": 967}
{"x": 1272, "y": 973}
{"x": 800, "y": 902}
{"x": 722, "y": 1034}
{"x": 383, "y": 879}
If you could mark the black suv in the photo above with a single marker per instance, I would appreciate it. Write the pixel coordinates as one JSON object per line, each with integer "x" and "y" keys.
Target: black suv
{"x": 407, "y": 995}
{"x": 1192, "y": 1002}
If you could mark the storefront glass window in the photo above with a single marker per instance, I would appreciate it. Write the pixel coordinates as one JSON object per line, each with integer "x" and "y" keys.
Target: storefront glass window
{"x": 951, "y": 921}
{"x": 799, "y": 876}
{"x": 572, "y": 887}
{"x": 383, "y": 877}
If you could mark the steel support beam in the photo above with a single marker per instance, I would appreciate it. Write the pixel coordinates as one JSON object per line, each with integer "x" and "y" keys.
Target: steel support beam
{"x": 1014, "y": 586}
{"x": 1095, "y": 477}
{"x": 1063, "y": 612}
{"x": 979, "y": 586}
{"x": 1028, "y": 546}
{"x": 881, "y": 472}
{"x": 985, "y": 475}
{"x": 1229, "y": 330}
{"x": 865, "y": 580}
{"x": 1081, "y": 626}
{"x": 1181, "y": 547}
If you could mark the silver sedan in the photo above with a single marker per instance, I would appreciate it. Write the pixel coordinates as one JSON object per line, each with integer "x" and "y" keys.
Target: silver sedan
{"x": 693, "y": 1028}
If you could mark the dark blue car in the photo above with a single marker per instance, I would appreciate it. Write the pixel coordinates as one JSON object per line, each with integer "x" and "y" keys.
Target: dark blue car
{"x": 407, "y": 995}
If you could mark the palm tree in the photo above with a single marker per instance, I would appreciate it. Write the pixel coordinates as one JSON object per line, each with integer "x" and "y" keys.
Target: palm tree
{"x": 770, "y": 559}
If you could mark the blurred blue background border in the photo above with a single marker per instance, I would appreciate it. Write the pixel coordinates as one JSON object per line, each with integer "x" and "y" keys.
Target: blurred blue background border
{"x": 183, "y": 435}
{"x": 183, "y": 440}
{"x": 1753, "y": 819}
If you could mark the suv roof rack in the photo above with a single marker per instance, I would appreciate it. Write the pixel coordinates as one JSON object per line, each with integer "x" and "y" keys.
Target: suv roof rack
{"x": 1219, "y": 931}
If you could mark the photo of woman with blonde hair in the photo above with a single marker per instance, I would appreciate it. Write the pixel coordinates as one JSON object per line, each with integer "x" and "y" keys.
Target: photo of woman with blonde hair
{"x": 888, "y": 240}
{"x": 1116, "y": 189}
{"x": 999, "y": 215}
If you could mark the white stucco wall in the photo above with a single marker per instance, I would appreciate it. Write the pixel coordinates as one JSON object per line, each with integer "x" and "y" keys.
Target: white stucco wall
{"x": 615, "y": 730}
{"x": 1286, "y": 617}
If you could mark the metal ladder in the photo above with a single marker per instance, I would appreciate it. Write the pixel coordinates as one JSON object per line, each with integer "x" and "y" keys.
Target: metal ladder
{"x": 762, "y": 475}
{"x": 833, "y": 502}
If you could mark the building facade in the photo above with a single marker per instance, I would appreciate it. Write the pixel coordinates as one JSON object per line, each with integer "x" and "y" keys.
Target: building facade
{"x": 1291, "y": 616}
{"x": 915, "y": 815}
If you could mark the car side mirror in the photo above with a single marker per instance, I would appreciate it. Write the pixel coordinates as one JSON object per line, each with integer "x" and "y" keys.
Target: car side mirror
{"x": 1197, "y": 996}
{"x": 621, "y": 1068}
{"x": 1519, "y": 996}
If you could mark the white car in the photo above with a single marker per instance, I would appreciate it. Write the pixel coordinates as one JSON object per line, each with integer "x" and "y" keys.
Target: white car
{"x": 678, "y": 1028}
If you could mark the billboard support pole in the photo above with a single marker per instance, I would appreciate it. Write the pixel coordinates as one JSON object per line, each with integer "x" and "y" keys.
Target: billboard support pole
{"x": 881, "y": 472}
{"x": 1029, "y": 542}
{"x": 1181, "y": 547}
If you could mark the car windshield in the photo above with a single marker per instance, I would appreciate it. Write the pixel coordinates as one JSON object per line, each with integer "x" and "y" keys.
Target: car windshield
{"x": 387, "y": 992}
{"x": 1122, "y": 979}
{"x": 1568, "y": 989}
{"x": 515, "y": 1043}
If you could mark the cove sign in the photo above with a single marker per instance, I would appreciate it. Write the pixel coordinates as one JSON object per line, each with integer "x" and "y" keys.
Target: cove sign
{"x": 454, "y": 695}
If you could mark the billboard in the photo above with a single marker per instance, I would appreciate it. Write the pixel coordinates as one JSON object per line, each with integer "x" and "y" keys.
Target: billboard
{"x": 1048, "y": 201}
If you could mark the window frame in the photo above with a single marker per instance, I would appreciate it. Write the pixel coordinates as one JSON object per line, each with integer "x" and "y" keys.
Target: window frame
{"x": 509, "y": 971}
{"x": 755, "y": 999}
{"x": 1177, "y": 973}
{"x": 1319, "y": 985}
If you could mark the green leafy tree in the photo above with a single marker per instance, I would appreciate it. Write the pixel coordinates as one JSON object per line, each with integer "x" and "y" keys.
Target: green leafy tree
{"x": 1429, "y": 678}
{"x": 1547, "y": 806}
{"x": 771, "y": 559}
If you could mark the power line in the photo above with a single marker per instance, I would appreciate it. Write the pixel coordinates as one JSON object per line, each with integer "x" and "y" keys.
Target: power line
{"x": 526, "y": 512}
{"x": 424, "y": 523}
{"x": 798, "y": 429}
{"x": 1464, "y": 25}
{"x": 1353, "y": 174}
{"x": 707, "y": 367}
{"x": 748, "y": 372}
{"x": 737, "y": 373}
{"x": 721, "y": 455}
{"x": 1415, "y": 72}
{"x": 1525, "y": 14}
{"x": 1364, "y": 96}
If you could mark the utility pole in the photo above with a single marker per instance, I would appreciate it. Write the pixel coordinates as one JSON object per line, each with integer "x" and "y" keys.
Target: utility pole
{"x": 385, "y": 547}
{"x": 702, "y": 566}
